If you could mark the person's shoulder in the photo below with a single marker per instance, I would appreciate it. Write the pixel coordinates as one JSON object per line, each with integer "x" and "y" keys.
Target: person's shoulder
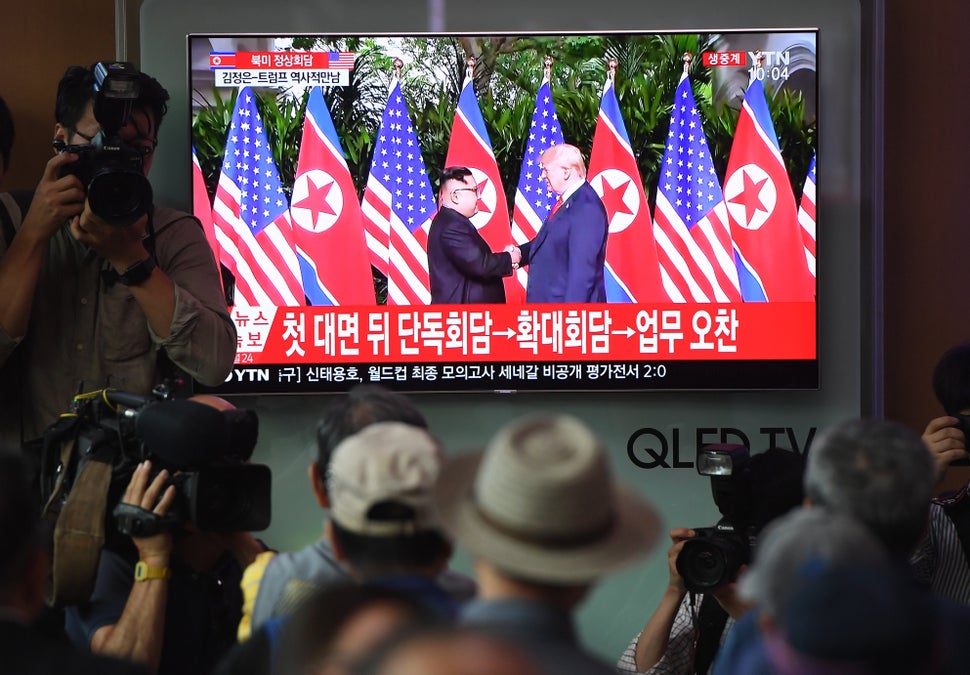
{"x": 173, "y": 221}
{"x": 309, "y": 561}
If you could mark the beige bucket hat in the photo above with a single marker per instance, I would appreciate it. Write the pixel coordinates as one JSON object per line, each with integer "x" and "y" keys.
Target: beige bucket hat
{"x": 540, "y": 504}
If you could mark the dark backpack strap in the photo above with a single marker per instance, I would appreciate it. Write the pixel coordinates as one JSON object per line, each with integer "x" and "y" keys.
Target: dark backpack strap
{"x": 957, "y": 510}
{"x": 711, "y": 619}
{"x": 13, "y": 208}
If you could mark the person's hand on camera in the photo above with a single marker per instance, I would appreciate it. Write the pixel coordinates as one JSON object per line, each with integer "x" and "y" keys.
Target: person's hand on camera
{"x": 56, "y": 199}
{"x": 119, "y": 245}
{"x": 946, "y": 441}
{"x": 678, "y": 536}
{"x": 727, "y": 597}
{"x": 155, "y": 497}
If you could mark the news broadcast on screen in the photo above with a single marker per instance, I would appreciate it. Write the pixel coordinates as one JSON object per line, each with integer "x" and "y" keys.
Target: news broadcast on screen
{"x": 317, "y": 167}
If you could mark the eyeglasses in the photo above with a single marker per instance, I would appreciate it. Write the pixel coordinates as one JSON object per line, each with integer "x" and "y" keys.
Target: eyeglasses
{"x": 474, "y": 189}
{"x": 143, "y": 144}
{"x": 85, "y": 137}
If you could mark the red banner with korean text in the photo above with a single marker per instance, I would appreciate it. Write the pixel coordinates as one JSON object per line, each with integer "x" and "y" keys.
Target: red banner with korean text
{"x": 508, "y": 333}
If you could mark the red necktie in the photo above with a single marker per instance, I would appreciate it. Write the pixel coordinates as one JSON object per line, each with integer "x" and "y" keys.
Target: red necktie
{"x": 555, "y": 207}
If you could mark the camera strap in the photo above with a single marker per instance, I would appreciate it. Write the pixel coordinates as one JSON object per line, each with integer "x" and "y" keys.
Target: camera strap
{"x": 711, "y": 620}
{"x": 79, "y": 532}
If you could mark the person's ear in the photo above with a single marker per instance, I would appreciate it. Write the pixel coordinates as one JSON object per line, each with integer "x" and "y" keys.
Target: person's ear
{"x": 319, "y": 489}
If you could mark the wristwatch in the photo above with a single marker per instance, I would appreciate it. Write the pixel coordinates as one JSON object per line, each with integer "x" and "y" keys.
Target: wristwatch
{"x": 138, "y": 273}
{"x": 144, "y": 572}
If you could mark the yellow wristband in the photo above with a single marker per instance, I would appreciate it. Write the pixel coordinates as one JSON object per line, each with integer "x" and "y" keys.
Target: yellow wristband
{"x": 144, "y": 572}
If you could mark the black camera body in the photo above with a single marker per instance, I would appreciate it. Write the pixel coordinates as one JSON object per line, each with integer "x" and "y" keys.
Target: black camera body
{"x": 205, "y": 450}
{"x": 113, "y": 177}
{"x": 112, "y": 171}
{"x": 715, "y": 555}
{"x": 223, "y": 497}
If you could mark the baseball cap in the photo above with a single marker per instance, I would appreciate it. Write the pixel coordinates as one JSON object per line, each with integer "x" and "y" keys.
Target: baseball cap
{"x": 380, "y": 480}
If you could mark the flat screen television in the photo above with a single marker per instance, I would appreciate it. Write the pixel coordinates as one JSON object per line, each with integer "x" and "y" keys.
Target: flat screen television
{"x": 317, "y": 161}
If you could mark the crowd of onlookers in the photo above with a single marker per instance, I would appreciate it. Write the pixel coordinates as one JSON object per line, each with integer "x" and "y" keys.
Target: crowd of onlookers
{"x": 851, "y": 564}
{"x": 856, "y": 567}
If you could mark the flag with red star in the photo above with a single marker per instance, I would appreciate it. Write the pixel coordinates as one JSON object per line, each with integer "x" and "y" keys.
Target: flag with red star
{"x": 327, "y": 224}
{"x": 632, "y": 268}
{"x": 761, "y": 210}
{"x": 251, "y": 216}
{"x": 471, "y": 147}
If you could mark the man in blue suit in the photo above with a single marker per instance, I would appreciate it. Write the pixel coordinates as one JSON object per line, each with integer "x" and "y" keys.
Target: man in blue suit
{"x": 567, "y": 255}
{"x": 462, "y": 267}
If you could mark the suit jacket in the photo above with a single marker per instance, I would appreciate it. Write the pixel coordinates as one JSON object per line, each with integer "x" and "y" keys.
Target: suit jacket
{"x": 567, "y": 255}
{"x": 25, "y": 652}
{"x": 463, "y": 268}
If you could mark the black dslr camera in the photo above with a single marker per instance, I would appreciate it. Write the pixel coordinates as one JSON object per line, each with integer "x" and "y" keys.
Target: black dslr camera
{"x": 111, "y": 170}
{"x": 207, "y": 452}
{"x": 715, "y": 555}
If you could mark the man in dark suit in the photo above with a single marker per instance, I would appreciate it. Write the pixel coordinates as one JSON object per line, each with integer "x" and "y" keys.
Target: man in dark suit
{"x": 24, "y": 577}
{"x": 567, "y": 255}
{"x": 463, "y": 268}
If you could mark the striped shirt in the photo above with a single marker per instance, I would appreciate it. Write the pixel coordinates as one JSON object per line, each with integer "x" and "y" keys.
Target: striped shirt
{"x": 678, "y": 659}
{"x": 939, "y": 560}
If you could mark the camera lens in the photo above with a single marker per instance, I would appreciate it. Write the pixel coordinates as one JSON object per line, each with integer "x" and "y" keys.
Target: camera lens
{"x": 708, "y": 562}
{"x": 119, "y": 196}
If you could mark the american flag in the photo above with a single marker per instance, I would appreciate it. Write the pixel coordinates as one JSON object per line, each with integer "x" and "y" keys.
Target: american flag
{"x": 690, "y": 220}
{"x": 251, "y": 215}
{"x": 533, "y": 199}
{"x": 761, "y": 209}
{"x": 340, "y": 60}
{"x": 632, "y": 271}
{"x": 806, "y": 217}
{"x": 327, "y": 227}
{"x": 202, "y": 209}
{"x": 398, "y": 206}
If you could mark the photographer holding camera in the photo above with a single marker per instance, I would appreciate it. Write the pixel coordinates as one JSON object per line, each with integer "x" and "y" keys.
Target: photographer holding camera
{"x": 98, "y": 287}
{"x": 942, "y": 559}
{"x": 685, "y": 631}
{"x": 174, "y": 602}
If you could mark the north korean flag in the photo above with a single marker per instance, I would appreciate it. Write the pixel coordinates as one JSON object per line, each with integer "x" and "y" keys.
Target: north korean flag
{"x": 761, "y": 210}
{"x": 327, "y": 225}
{"x": 471, "y": 147}
{"x": 632, "y": 267}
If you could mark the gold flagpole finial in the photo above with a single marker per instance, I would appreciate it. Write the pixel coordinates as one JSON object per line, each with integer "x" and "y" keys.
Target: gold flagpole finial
{"x": 398, "y": 65}
{"x": 470, "y": 67}
{"x": 687, "y": 58}
{"x": 613, "y": 63}
{"x": 547, "y": 68}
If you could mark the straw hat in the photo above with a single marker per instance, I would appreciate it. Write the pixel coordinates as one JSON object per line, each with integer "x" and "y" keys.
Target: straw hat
{"x": 540, "y": 504}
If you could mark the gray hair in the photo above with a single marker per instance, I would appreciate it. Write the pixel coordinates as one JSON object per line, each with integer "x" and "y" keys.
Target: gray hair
{"x": 877, "y": 471}
{"x": 791, "y": 541}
